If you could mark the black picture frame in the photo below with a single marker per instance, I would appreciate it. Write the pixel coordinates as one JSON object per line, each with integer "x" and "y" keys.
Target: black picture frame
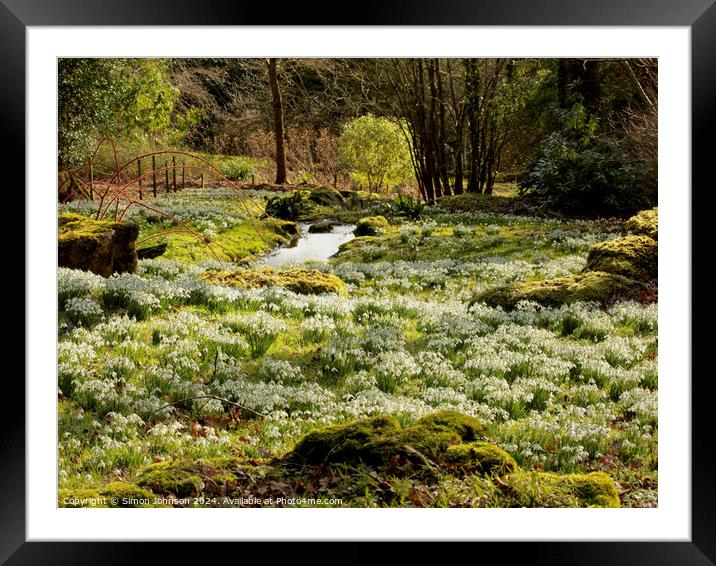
{"x": 699, "y": 15}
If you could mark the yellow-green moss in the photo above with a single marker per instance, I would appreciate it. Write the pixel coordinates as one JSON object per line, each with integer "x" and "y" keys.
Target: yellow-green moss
{"x": 187, "y": 477}
{"x": 380, "y": 441}
{"x": 171, "y": 476}
{"x": 481, "y": 458}
{"x": 467, "y": 427}
{"x": 341, "y": 442}
{"x": 540, "y": 489}
{"x": 326, "y": 196}
{"x": 101, "y": 246}
{"x": 303, "y": 281}
{"x": 631, "y": 256}
{"x": 645, "y": 223}
{"x": 594, "y": 286}
{"x": 371, "y": 225}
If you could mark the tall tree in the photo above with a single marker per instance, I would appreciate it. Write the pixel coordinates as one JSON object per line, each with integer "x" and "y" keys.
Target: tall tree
{"x": 277, "y": 122}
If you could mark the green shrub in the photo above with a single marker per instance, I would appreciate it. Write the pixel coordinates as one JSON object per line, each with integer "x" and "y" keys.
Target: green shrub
{"x": 577, "y": 171}
{"x": 375, "y": 151}
{"x": 236, "y": 168}
{"x": 408, "y": 206}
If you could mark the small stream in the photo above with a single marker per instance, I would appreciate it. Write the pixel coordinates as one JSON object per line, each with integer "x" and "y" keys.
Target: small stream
{"x": 311, "y": 247}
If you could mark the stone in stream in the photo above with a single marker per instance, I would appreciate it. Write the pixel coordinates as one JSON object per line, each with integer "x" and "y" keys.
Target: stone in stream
{"x": 321, "y": 227}
{"x": 100, "y": 246}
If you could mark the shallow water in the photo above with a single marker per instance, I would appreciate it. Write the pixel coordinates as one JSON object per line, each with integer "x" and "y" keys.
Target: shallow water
{"x": 312, "y": 247}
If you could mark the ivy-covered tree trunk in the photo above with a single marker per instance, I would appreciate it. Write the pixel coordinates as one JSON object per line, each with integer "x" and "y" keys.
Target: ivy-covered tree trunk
{"x": 277, "y": 122}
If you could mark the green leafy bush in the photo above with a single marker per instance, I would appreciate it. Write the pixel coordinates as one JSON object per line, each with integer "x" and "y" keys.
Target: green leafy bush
{"x": 236, "y": 169}
{"x": 578, "y": 171}
{"x": 408, "y": 206}
{"x": 375, "y": 151}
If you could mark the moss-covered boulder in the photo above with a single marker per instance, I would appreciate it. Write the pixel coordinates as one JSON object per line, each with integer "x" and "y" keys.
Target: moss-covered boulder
{"x": 540, "y": 489}
{"x": 631, "y": 256}
{"x": 326, "y": 196}
{"x": 645, "y": 223}
{"x": 177, "y": 477}
{"x": 303, "y": 281}
{"x": 321, "y": 227}
{"x": 371, "y": 226}
{"x": 342, "y": 442}
{"x": 595, "y": 286}
{"x": 480, "y": 458}
{"x": 430, "y": 443}
{"x": 100, "y": 246}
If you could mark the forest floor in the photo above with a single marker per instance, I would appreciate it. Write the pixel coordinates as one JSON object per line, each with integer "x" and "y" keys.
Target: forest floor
{"x": 177, "y": 383}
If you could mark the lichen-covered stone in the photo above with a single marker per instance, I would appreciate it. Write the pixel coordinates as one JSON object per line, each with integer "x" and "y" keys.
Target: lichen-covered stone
{"x": 321, "y": 227}
{"x": 645, "y": 223}
{"x": 303, "y": 281}
{"x": 596, "y": 286}
{"x": 631, "y": 256}
{"x": 101, "y": 246}
{"x": 481, "y": 458}
{"x": 371, "y": 226}
{"x": 541, "y": 489}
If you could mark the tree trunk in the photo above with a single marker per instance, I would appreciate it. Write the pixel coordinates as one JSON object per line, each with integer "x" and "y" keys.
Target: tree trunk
{"x": 277, "y": 123}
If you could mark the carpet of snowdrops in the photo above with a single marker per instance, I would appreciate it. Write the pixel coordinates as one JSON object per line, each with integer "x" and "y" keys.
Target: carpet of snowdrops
{"x": 155, "y": 364}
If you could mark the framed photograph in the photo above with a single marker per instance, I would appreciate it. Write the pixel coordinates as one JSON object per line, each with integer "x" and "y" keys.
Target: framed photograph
{"x": 392, "y": 279}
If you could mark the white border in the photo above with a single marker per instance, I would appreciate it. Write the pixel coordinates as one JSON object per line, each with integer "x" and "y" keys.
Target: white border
{"x": 670, "y": 521}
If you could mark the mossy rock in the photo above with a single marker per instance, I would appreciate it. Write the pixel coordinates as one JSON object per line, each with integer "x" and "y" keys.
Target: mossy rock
{"x": 481, "y": 458}
{"x": 381, "y": 442}
{"x": 326, "y": 196}
{"x": 541, "y": 489}
{"x": 645, "y": 223}
{"x": 303, "y": 281}
{"x": 341, "y": 442}
{"x": 467, "y": 428}
{"x": 595, "y": 286}
{"x": 631, "y": 256}
{"x": 186, "y": 477}
{"x": 100, "y": 246}
{"x": 371, "y": 226}
{"x": 288, "y": 227}
{"x": 321, "y": 227}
